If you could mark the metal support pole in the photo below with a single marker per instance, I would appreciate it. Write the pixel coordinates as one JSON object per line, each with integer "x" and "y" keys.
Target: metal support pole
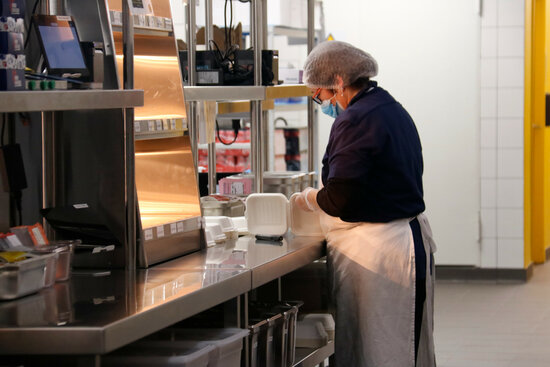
{"x": 310, "y": 107}
{"x": 208, "y": 36}
{"x": 256, "y": 106}
{"x": 191, "y": 63}
{"x": 129, "y": 163}
{"x": 47, "y": 165}
{"x": 209, "y": 26}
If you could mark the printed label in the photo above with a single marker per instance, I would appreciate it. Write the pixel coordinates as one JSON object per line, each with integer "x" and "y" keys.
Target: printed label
{"x": 148, "y": 234}
{"x": 80, "y": 206}
{"x": 137, "y": 126}
{"x": 159, "y": 124}
{"x": 237, "y": 188}
{"x": 160, "y": 231}
{"x": 180, "y": 227}
{"x": 39, "y": 239}
{"x": 151, "y": 125}
{"x": 173, "y": 228}
{"x": 173, "y": 124}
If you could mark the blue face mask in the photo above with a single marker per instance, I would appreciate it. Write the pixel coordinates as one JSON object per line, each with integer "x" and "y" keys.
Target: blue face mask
{"x": 330, "y": 109}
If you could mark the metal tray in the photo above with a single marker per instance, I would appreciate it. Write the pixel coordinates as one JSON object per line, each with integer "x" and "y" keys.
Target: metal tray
{"x": 23, "y": 277}
{"x": 64, "y": 251}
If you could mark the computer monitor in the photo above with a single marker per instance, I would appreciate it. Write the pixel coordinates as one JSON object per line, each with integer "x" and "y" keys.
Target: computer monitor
{"x": 60, "y": 44}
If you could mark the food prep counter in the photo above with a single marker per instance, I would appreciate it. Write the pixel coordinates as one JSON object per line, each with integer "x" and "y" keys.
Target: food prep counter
{"x": 96, "y": 312}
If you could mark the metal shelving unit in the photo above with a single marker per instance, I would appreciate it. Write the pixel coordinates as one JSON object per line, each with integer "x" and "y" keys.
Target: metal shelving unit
{"x": 256, "y": 94}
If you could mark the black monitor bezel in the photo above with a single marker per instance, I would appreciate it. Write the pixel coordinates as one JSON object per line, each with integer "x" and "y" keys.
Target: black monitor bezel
{"x": 68, "y": 21}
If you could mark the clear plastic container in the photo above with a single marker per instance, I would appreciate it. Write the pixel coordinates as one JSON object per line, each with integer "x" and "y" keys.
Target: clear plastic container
{"x": 227, "y": 343}
{"x": 160, "y": 353}
{"x": 325, "y": 319}
{"x": 64, "y": 251}
{"x": 310, "y": 334}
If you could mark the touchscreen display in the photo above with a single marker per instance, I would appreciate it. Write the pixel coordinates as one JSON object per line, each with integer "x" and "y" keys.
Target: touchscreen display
{"x": 60, "y": 44}
{"x": 62, "y": 47}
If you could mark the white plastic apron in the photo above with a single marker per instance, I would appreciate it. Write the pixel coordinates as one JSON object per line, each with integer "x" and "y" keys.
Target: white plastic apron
{"x": 372, "y": 275}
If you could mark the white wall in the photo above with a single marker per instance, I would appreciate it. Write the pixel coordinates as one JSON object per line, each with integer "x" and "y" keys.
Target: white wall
{"x": 502, "y": 88}
{"x": 428, "y": 55}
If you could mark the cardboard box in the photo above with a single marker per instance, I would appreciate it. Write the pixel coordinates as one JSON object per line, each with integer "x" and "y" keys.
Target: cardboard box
{"x": 12, "y": 8}
{"x": 12, "y": 43}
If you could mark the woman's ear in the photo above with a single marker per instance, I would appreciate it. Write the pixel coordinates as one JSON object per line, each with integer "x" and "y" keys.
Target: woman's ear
{"x": 340, "y": 83}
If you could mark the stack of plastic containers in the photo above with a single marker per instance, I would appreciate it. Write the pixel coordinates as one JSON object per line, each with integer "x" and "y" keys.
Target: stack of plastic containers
{"x": 273, "y": 333}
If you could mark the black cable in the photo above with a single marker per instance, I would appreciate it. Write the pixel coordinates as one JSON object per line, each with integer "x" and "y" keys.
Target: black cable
{"x": 30, "y": 23}
{"x": 17, "y": 195}
{"x": 235, "y": 129}
{"x": 3, "y": 129}
{"x": 230, "y": 23}
{"x": 52, "y": 77}
{"x": 225, "y": 25}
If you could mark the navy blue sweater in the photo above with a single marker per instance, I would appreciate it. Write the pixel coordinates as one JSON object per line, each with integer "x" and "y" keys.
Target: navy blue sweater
{"x": 372, "y": 168}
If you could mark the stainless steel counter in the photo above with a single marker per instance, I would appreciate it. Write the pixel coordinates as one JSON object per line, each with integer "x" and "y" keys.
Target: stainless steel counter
{"x": 95, "y": 313}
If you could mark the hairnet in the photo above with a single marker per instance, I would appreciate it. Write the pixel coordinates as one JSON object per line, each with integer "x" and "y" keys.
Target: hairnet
{"x": 335, "y": 58}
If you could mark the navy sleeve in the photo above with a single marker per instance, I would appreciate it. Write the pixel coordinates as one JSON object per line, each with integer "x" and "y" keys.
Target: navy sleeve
{"x": 338, "y": 198}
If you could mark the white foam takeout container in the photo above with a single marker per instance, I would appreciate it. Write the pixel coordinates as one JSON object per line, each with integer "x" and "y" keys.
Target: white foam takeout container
{"x": 271, "y": 214}
{"x": 225, "y": 223}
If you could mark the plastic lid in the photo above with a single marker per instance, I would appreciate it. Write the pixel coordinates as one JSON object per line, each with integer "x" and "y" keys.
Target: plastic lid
{"x": 324, "y": 318}
{"x": 266, "y": 214}
{"x": 303, "y": 223}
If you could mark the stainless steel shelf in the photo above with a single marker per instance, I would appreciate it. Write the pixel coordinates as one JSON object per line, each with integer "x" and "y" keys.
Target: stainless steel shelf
{"x": 160, "y": 128}
{"x": 103, "y": 313}
{"x": 249, "y": 93}
{"x": 223, "y": 93}
{"x": 147, "y": 31}
{"x": 266, "y": 262}
{"x": 306, "y": 357}
{"x": 55, "y": 100}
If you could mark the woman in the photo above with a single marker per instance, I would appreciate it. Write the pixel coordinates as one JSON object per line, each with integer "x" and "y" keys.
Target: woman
{"x": 379, "y": 244}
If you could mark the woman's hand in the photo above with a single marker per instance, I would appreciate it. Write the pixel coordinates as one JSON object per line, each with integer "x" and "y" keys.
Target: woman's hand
{"x": 307, "y": 200}
{"x": 301, "y": 202}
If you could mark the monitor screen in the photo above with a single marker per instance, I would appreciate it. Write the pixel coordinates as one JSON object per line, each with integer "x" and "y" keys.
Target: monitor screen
{"x": 60, "y": 44}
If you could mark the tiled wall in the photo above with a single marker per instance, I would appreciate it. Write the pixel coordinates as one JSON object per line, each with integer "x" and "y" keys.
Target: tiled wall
{"x": 502, "y": 83}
